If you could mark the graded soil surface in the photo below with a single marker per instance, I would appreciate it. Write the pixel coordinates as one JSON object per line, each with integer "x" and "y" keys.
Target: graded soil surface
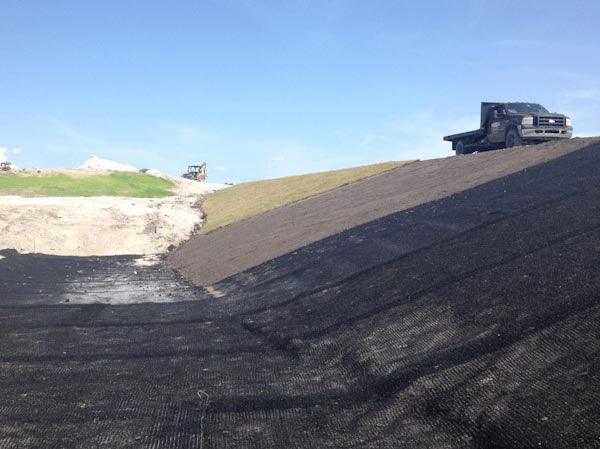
{"x": 206, "y": 259}
{"x": 100, "y": 225}
{"x": 472, "y": 321}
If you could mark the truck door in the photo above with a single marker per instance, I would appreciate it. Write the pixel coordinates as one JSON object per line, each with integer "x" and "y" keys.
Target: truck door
{"x": 497, "y": 124}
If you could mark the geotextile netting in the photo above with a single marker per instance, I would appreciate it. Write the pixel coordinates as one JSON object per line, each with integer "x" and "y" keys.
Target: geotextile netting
{"x": 469, "y": 322}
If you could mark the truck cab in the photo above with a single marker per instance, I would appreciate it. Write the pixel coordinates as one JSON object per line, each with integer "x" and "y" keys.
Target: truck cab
{"x": 505, "y": 125}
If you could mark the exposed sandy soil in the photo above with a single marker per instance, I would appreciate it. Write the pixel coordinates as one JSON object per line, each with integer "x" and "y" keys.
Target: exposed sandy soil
{"x": 100, "y": 225}
{"x": 96, "y": 163}
{"x": 206, "y": 259}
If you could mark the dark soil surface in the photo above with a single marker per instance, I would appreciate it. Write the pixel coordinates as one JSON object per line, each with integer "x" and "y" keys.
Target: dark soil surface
{"x": 206, "y": 259}
{"x": 42, "y": 279}
{"x": 472, "y": 321}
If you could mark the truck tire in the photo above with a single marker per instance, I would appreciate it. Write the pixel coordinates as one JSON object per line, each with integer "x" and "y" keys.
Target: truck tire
{"x": 460, "y": 147}
{"x": 512, "y": 139}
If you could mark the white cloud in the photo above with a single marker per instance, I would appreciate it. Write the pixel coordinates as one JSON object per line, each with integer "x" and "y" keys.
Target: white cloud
{"x": 292, "y": 158}
{"x": 4, "y": 152}
{"x": 189, "y": 135}
{"x": 87, "y": 144}
{"x": 221, "y": 168}
{"x": 415, "y": 135}
{"x": 397, "y": 37}
{"x": 583, "y": 106}
{"x": 419, "y": 135}
{"x": 531, "y": 43}
{"x": 521, "y": 43}
{"x": 582, "y": 94}
{"x": 369, "y": 139}
{"x": 68, "y": 131}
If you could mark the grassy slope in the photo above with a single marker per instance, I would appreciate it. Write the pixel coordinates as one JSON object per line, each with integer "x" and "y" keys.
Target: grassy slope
{"x": 253, "y": 198}
{"x": 116, "y": 184}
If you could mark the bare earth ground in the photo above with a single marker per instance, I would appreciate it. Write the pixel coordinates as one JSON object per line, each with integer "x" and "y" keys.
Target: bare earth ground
{"x": 99, "y": 226}
{"x": 206, "y": 259}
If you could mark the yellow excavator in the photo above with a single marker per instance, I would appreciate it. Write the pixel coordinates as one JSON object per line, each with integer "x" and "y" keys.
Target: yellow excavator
{"x": 196, "y": 172}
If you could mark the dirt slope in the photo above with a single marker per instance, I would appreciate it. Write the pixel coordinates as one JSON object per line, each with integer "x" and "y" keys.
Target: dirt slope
{"x": 206, "y": 259}
{"x": 469, "y": 322}
{"x": 103, "y": 225}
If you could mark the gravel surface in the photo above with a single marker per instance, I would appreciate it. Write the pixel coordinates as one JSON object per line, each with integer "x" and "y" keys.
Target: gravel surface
{"x": 206, "y": 259}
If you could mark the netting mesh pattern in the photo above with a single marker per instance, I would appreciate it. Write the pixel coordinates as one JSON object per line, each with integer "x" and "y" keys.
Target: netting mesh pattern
{"x": 470, "y": 322}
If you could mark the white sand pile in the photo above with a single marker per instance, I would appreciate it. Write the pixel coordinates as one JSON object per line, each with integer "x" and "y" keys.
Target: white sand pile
{"x": 101, "y": 226}
{"x": 96, "y": 163}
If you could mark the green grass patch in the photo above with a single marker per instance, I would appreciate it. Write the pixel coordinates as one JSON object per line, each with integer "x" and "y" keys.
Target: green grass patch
{"x": 246, "y": 200}
{"x": 136, "y": 185}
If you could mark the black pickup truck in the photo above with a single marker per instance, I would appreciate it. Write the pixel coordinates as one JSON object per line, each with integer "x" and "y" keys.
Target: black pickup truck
{"x": 505, "y": 125}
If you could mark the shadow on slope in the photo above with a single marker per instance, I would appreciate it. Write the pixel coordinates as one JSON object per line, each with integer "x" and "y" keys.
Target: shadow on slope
{"x": 469, "y": 322}
{"x": 211, "y": 258}
{"x": 472, "y": 320}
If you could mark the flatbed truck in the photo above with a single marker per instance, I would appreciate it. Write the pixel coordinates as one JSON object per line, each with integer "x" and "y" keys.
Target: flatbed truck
{"x": 506, "y": 125}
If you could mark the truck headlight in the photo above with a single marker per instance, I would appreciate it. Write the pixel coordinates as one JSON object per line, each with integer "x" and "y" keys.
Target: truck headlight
{"x": 568, "y": 121}
{"x": 527, "y": 120}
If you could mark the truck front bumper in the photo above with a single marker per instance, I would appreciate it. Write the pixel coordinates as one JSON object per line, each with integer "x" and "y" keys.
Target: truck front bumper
{"x": 545, "y": 133}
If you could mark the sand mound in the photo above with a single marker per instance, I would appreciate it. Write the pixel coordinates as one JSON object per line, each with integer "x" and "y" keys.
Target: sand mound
{"x": 102, "y": 226}
{"x": 96, "y": 163}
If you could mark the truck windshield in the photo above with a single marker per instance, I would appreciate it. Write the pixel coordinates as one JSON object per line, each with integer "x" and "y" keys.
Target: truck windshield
{"x": 525, "y": 107}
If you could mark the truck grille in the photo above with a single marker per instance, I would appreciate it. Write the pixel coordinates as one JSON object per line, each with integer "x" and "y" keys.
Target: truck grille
{"x": 552, "y": 122}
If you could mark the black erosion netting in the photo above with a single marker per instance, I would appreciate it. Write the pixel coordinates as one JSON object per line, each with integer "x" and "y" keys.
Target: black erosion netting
{"x": 469, "y": 322}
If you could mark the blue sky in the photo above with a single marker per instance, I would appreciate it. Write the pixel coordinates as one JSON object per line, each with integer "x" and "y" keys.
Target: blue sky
{"x": 262, "y": 89}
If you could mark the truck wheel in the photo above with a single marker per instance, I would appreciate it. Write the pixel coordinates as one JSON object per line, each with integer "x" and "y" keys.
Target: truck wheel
{"x": 460, "y": 147}
{"x": 512, "y": 139}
